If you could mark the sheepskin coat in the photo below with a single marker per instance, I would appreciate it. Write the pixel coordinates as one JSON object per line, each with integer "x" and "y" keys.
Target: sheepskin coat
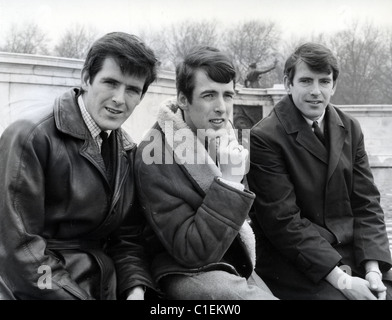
{"x": 196, "y": 222}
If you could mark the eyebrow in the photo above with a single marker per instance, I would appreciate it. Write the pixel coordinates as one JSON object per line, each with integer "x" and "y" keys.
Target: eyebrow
{"x": 208, "y": 91}
{"x": 214, "y": 91}
{"x": 127, "y": 86}
{"x": 109, "y": 78}
{"x": 134, "y": 88}
{"x": 309, "y": 77}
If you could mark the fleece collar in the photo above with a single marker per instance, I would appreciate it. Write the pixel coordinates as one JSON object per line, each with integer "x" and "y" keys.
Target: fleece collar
{"x": 190, "y": 152}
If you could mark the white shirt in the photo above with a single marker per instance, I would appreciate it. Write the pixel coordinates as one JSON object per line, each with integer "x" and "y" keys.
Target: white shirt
{"x": 320, "y": 121}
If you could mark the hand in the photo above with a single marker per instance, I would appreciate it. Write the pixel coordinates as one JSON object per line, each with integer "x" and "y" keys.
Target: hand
{"x": 232, "y": 157}
{"x": 233, "y": 161}
{"x": 359, "y": 290}
{"x": 353, "y": 288}
{"x": 136, "y": 293}
{"x": 374, "y": 276}
{"x": 376, "y": 284}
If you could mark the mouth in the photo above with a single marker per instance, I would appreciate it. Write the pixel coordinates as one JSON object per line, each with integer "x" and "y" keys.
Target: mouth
{"x": 113, "y": 111}
{"x": 314, "y": 102}
{"x": 217, "y": 121}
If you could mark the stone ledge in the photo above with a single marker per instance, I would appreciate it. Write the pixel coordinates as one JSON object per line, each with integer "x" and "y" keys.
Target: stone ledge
{"x": 375, "y": 110}
{"x": 380, "y": 161}
{"x": 39, "y": 60}
{"x": 39, "y": 80}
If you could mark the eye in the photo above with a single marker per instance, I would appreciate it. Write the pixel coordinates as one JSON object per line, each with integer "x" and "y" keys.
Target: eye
{"x": 305, "y": 81}
{"x": 229, "y": 96}
{"x": 110, "y": 83}
{"x": 208, "y": 96}
{"x": 134, "y": 90}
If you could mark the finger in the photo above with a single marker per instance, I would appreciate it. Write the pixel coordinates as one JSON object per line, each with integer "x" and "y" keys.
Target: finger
{"x": 373, "y": 285}
{"x": 382, "y": 295}
{"x": 375, "y": 282}
{"x": 234, "y": 143}
{"x": 238, "y": 148}
{"x": 371, "y": 295}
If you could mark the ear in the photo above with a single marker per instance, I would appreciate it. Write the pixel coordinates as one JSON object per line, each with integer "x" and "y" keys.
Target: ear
{"x": 182, "y": 101}
{"x": 334, "y": 87}
{"x": 287, "y": 84}
{"x": 85, "y": 80}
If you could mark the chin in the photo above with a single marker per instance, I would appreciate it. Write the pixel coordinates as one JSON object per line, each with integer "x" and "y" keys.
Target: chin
{"x": 113, "y": 125}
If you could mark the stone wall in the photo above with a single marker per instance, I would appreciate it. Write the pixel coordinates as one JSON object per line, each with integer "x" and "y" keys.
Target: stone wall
{"x": 376, "y": 123}
{"x": 30, "y": 82}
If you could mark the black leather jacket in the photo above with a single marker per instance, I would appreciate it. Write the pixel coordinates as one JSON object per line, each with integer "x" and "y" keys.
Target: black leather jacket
{"x": 60, "y": 235}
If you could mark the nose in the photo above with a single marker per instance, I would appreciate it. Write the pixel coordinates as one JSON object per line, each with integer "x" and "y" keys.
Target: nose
{"x": 118, "y": 96}
{"x": 220, "y": 106}
{"x": 315, "y": 89}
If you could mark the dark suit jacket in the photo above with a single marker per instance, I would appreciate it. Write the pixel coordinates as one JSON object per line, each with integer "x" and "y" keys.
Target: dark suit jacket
{"x": 314, "y": 209}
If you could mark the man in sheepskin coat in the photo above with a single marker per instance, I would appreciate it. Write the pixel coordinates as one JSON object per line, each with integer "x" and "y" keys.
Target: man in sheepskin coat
{"x": 189, "y": 184}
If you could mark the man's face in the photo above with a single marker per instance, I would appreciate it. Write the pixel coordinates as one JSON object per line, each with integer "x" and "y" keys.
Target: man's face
{"x": 112, "y": 96}
{"x": 212, "y": 104}
{"x": 311, "y": 91}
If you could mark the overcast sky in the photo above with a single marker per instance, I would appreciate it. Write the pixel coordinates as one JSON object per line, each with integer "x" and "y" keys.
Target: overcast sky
{"x": 295, "y": 17}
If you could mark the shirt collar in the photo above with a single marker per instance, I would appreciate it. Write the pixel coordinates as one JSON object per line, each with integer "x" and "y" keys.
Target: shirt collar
{"x": 92, "y": 126}
{"x": 320, "y": 120}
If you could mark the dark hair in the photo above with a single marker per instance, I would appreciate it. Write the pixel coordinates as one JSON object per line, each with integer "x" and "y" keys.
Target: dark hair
{"x": 130, "y": 53}
{"x": 319, "y": 59}
{"x": 216, "y": 64}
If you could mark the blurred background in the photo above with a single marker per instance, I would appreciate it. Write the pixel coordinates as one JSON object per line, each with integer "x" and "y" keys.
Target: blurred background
{"x": 256, "y": 32}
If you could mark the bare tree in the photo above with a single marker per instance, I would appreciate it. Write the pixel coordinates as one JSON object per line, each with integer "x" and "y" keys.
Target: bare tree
{"x": 188, "y": 34}
{"x": 173, "y": 42}
{"x": 291, "y": 44}
{"x": 28, "y": 38}
{"x": 158, "y": 44}
{"x": 252, "y": 42}
{"x": 75, "y": 42}
{"x": 359, "y": 50}
{"x": 385, "y": 80}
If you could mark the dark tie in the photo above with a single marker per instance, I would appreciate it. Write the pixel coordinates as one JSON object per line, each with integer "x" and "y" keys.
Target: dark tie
{"x": 318, "y": 132}
{"x": 105, "y": 148}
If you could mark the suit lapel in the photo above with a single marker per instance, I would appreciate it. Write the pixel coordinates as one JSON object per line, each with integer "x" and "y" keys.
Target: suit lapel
{"x": 293, "y": 122}
{"x": 310, "y": 142}
{"x": 337, "y": 135}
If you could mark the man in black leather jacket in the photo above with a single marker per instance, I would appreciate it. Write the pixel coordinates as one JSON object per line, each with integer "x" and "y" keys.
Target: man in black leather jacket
{"x": 69, "y": 228}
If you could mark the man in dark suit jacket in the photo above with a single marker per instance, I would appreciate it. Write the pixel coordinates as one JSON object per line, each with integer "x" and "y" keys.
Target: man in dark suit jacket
{"x": 317, "y": 216}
